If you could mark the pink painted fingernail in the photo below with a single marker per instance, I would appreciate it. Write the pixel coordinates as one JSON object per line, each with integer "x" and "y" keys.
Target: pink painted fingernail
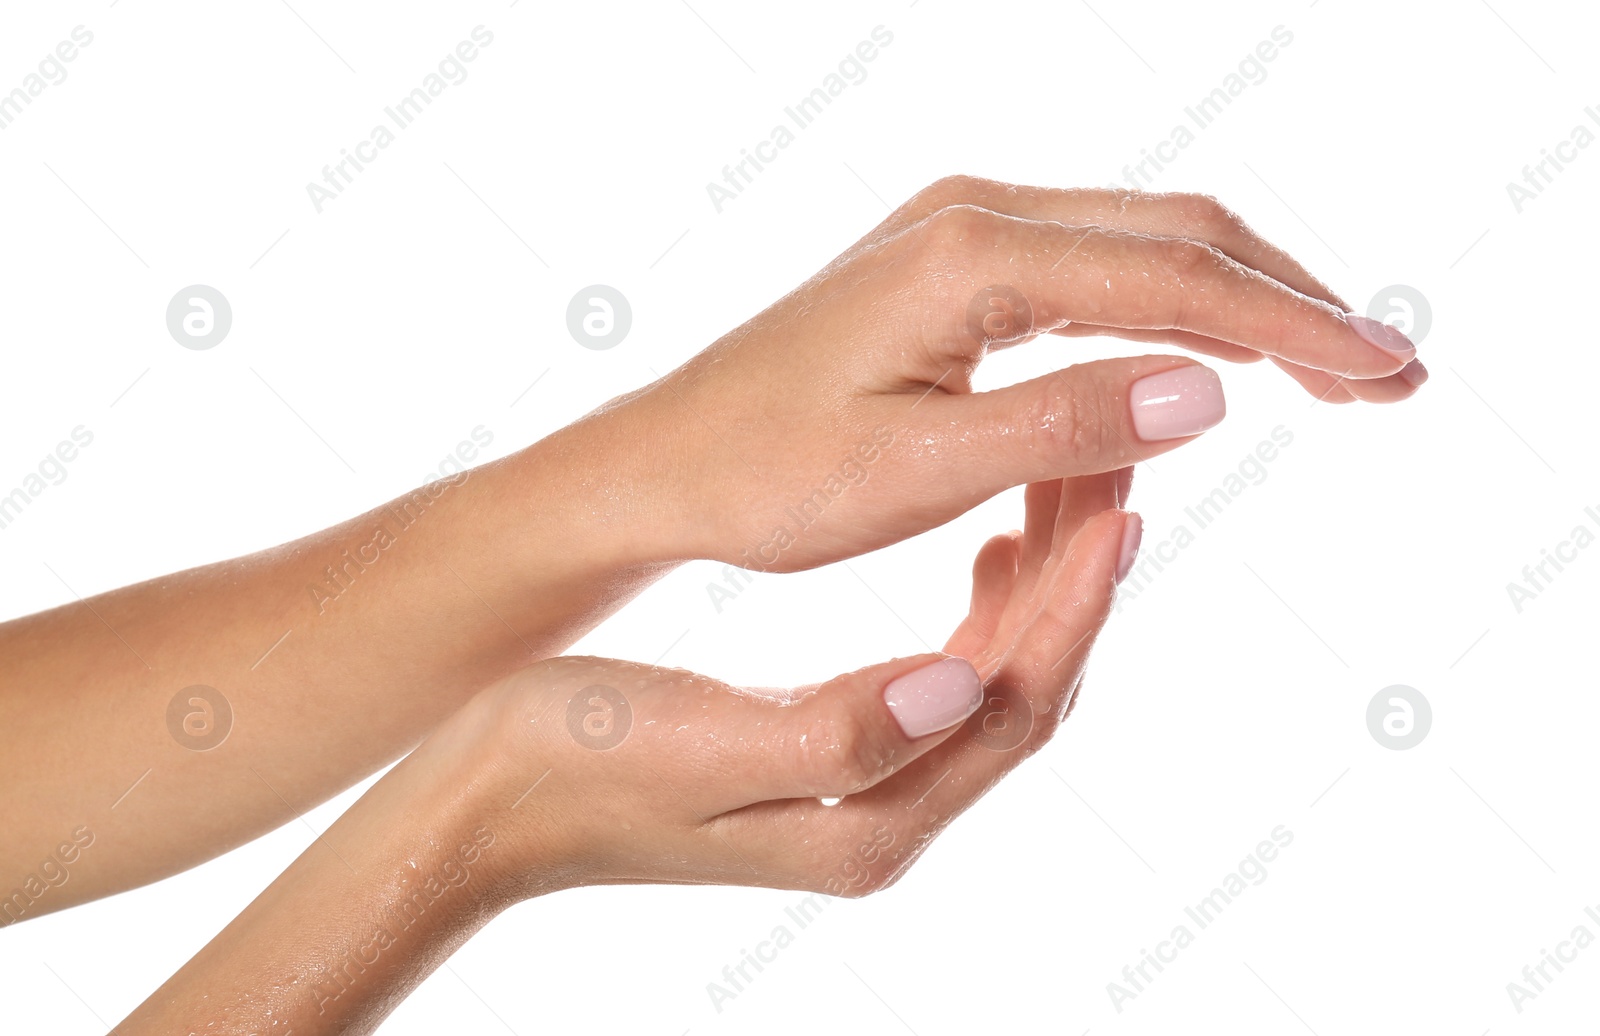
{"x": 935, "y": 697}
{"x": 1132, "y": 533}
{"x": 1172, "y": 404}
{"x": 1414, "y": 373}
{"x": 1387, "y": 338}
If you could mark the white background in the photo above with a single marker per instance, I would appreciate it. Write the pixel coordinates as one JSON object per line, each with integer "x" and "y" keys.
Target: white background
{"x": 1227, "y": 698}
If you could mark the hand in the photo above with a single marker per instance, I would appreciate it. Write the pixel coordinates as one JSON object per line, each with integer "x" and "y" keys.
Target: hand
{"x": 542, "y": 782}
{"x": 838, "y": 421}
{"x": 842, "y": 418}
{"x": 641, "y": 774}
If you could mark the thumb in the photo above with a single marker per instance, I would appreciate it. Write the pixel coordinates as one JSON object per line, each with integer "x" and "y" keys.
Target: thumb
{"x": 855, "y": 730}
{"x": 1086, "y": 419}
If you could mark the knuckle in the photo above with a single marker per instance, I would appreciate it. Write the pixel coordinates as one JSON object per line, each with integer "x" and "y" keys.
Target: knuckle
{"x": 1061, "y": 422}
{"x": 1187, "y": 256}
{"x": 949, "y": 190}
{"x": 841, "y": 754}
{"x": 1191, "y": 264}
{"x": 956, "y": 230}
{"x": 1208, "y": 215}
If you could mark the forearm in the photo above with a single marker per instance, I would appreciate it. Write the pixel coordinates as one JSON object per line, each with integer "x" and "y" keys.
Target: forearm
{"x": 372, "y": 908}
{"x": 711, "y": 784}
{"x": 334, "y": 654}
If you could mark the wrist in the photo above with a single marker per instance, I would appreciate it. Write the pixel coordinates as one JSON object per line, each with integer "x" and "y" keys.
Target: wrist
{"x": 478, "y": 777}
{"x": 388, "y": 892}
{"x": 616, "y": 485}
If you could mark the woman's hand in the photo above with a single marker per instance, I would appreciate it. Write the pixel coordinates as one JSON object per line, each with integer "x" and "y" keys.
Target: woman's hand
{"x": 618, "y": 772}
{"x": 838, "y": 421}
{"x": 583, "y": 771}
{"x": 843, "y": 419}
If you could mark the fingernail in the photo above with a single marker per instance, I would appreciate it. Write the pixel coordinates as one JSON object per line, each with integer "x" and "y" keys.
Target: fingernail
{"x": 1414, "y": 373}
{"x": 1172, "y": 404}
{"x": 1132, "y": 533}
{"x": 1387, "y": 338}
{"x": 935, "y": 697}
{"x": 1124, "y": 485}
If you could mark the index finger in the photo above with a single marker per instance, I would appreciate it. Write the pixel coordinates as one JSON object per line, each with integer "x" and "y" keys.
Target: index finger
{"x": 1097, "y": 275}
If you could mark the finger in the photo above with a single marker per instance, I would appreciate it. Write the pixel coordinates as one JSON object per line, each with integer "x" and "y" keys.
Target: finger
{"x": 1124, "y": 486}
{"x": 1395, "y": 387}
{"x": 1328, "y": 388}
{"x": 1333, "y": 388}
{"x": 1081, "y": 500}
{"x": 849, "y": 733}
{"x": 991, "y": 626}
{"x": 1194, "y": 216}
{"x": 1084, "y": 497}
{"x": 1091, "y": 418}
{"x": 1047, "y": 660}
{"x": 1181, "y": 339}
{"x": 1035, "y": 679}
{"x": 1139, "y": 282}
{"x": 864, "y": 842}
{"x": 1003, "y": 585}
{"x": 1387, "y": 390}
{"x": 994, "y": 577}
{"x": 1197, "y": 216}
{"x": 1042, "y": 500}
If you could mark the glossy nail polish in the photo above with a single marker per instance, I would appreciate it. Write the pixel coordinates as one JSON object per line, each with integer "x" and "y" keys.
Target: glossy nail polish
{"x": 1172, "y": 404}
{"x": 1389, "y": 339}
{"x": 935, "y": 697}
